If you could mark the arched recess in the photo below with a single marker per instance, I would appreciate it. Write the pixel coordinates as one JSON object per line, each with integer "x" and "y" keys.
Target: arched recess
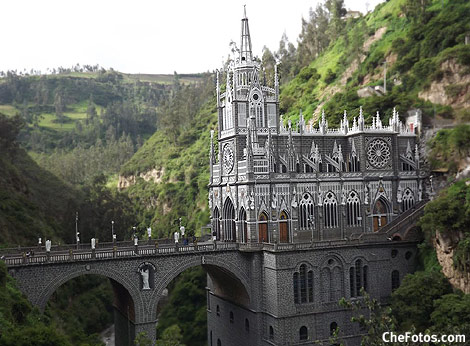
{"x": 229, "y": 279}
{"x": 216, "y": 223}
{"x": 284, "y": 227}
{"x": 408, "y": 200}
{"x": 228, "y": 221}
{"x": 380, "y": 213}
{"x": 128, "y": 303}
{"x": 122, "y": 287}
{"x": 243, "y": 225}
{"x": 263, "y": 228}
{"x": 332, "y": 278}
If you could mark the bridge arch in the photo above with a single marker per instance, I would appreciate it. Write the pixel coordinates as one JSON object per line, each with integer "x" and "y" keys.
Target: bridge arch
{"x": 216, "y": 268}
{"x": 75, "y": 271}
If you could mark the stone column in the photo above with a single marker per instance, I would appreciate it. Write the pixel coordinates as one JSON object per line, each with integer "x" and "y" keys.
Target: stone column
{"x": 149, "y": 328}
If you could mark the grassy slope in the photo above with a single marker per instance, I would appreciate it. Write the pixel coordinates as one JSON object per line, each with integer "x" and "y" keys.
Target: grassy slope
{"x": 183, "y": 191}
{"x": 306, "y": 93}
{"x": 77, "y": 111}
{"x": 33, "y": 202}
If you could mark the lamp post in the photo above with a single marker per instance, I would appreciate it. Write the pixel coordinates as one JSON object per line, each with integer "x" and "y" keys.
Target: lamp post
{"x": 112, "y": 232}
{"x": 77, "y": 233}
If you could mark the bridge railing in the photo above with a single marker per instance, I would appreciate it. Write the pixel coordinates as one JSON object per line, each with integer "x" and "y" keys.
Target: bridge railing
{"x": 119, "y": 250}
{"x": 128, "y": 249}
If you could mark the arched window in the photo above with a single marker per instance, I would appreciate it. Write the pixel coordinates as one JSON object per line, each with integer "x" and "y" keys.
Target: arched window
{"x": 331, "y": 280}
{"x": 408, "y": 200}
{"x": 231, "y": 317}
{"x": 333, "y": 328}
{"x": 296, "y": 288}
{"x": 310, "y": 285}
{"x": 283, "y": 227}
{"x": 336, "y": 280}
{"x": 243, "y": 226}
{"x": 271, "y": 333}
{"x": 330, "y": 210}
{"x": 228, "y": 221}
{"x": 353, "y": 209}
{"x": 303, "y": 285}
{"x": 219, "y": 343}
{"x": 247, "y": 325}
{"x": 211, "y": 337}
{"x": 216, "y": 223}
{"x": 227, "y": 113}
{"x": 354, "y": 164}
{"x": 325, "y": 284}
{"x": 358, "y": 278}
{"x": 218, "y": 310}
{"x": 303, "y": 333}
{"x": 306, "y": 212}
{"x": 263, "y": 228}
{"x": 380, "y": 214}
{"x": 395, "y": 280}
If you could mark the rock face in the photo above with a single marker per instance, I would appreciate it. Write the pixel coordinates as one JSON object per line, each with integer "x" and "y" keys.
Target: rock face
{"x": 453, "y": 89}
{"x": 444, "y": 246}
{"x": 155, "y": 174}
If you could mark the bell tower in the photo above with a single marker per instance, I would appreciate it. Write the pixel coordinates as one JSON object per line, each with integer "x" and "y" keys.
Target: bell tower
{"x": 248, "y": 107}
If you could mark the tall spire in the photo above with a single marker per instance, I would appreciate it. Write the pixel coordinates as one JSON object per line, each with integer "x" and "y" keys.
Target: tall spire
{"x": 245, "y": 47}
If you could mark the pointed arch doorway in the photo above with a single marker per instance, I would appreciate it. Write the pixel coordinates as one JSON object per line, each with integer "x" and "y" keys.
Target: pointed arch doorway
{"x": 379, "y": 215}
{"x": 243, "y": 225}
{"x": 263, "y": 228}
{"x": 283, "y": 227}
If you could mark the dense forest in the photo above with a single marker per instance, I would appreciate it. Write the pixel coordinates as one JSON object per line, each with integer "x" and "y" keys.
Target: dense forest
{"x": 68, "y": 138}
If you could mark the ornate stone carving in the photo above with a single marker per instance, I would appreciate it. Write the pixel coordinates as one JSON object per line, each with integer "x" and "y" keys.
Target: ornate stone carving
{"x": 378, "y": 153}
{"x": 147, "y": 273}
{"x": 294, "y": 200}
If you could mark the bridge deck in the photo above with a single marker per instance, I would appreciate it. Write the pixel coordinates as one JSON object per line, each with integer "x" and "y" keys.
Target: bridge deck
{"x": 21, "y": 258}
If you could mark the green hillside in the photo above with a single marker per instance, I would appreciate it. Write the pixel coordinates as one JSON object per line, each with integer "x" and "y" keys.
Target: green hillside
{"x": 415, "y": 40}
{"x": 180, "y": 153}
{"x": 33, "y": 202}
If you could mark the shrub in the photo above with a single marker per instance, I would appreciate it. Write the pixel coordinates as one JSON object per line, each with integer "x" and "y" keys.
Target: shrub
{"x": 330, "y": 76}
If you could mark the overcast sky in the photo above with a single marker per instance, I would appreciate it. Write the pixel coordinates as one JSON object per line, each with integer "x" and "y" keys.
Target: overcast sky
{"x": 142, "y": 36}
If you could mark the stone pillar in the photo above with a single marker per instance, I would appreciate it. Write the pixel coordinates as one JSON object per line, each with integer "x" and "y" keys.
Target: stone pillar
{"x": 149, "y": 328}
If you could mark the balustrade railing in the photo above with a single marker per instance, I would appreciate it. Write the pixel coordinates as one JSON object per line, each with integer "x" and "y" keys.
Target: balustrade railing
{"x": 161, "y": 247}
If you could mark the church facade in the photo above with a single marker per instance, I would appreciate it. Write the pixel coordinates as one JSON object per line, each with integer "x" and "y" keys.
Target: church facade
{"x": 272, "y": 182}
{"x": 299, "y": 200}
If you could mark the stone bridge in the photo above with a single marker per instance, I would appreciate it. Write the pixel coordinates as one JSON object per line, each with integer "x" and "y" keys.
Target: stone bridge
{"x": 39, "y": 273}
{"x": 140, "y": 273}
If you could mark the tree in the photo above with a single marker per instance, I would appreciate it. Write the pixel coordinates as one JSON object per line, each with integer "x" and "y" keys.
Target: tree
{"x": 336, "y": 11}
{"x": 286, "y": 58}
{"x": 142, "y": 340}
{"x": 9, "y": 130}
{"x": 268, "y": 61}
{"x": 374, "y": 319}
{"x": 452, "y": 314}
{"x": 416, "y": 10}
{"x": 413, "y": 302}
{"x": 171, "y": 337}
{"x": 59, "y": 106}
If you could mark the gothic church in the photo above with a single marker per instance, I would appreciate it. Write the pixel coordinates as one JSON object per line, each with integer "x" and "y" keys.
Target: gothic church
{"x": 309, "y": 207}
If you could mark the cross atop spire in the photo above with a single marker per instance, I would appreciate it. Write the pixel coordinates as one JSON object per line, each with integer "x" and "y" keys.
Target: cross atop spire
{"x": 246, "y": 54}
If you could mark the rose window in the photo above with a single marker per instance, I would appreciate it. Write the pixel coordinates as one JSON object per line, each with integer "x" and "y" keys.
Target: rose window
{"x": 378, "y": 153}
